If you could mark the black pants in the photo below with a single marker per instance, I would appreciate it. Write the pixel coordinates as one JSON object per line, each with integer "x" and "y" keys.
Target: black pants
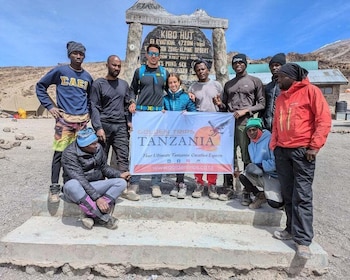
{"x": 117, "y": 136}
{"x": 296, "y": 175}
{"x": 56, "y": 167}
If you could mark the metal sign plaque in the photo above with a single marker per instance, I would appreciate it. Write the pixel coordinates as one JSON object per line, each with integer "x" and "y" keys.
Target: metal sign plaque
{"x": 180, "y": 46}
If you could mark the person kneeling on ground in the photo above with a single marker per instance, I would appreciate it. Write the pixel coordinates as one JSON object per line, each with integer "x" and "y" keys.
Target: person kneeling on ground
{"x": 85, "y": 169}
{"x": 260, "y": 176}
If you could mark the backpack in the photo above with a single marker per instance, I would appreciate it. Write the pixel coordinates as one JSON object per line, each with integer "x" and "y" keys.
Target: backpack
{"x": 155, "y": 74}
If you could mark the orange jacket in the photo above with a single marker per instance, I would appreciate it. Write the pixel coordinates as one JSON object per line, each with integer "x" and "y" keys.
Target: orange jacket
{"x": 302, "y": 117}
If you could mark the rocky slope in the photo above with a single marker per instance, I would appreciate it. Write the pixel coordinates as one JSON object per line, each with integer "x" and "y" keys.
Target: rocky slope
{"x": 18, "y": 83}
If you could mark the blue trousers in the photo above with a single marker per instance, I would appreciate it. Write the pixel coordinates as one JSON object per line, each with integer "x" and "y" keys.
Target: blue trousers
{"x": 155, "y": 179}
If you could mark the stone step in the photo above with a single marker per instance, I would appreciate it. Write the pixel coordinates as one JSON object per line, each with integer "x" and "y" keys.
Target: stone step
{"x": 154, "y": 244}
{"x": 169, "y": 208}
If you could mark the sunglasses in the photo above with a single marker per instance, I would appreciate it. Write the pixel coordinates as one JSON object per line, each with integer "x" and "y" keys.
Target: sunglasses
{"x": 156, "y": 54}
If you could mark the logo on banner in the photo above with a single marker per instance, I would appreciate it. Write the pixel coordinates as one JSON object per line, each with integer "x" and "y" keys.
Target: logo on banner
{"x": 210, "y": 136}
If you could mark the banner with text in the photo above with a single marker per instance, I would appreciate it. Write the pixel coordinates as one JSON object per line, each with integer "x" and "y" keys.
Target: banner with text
{"x": 182, "y": 142}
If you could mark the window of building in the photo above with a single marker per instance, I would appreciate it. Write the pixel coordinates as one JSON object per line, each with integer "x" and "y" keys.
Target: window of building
{"x": 326, "y": 90}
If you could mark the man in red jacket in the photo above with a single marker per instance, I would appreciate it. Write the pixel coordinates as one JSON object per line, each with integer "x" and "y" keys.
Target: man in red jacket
{"x": 300, "y": 128}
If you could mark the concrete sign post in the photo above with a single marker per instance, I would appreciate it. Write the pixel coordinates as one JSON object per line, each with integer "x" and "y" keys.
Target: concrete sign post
{"x": 180, "y": 38}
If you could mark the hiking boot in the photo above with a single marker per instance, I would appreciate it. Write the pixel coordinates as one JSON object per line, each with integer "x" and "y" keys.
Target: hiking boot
{"x": 303, "y": 251}
{"x": 156, "y": 192}
{"x": 54, "y": 193}
{"x": 212, "y": 193}
{"x": 282, "y": 235}
{"x": 259, "y": 200}
{"x": 174, "y": 191}
{"x": 131, "y": 193}
{"x": 112, "y": 223}
{"x": 246, "y": 200}
{"x": 197, "y": 193}
{"x": 182, "y": 191}
{"x": 88, "y": 222}
{"x": 228, "y": 193}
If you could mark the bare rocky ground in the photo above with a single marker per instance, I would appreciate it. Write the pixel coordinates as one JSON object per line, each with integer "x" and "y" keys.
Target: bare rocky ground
{"x": 25, "y": 169}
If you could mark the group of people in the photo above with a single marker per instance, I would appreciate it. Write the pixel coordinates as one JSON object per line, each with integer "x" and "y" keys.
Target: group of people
{"x": 279, "y": 130}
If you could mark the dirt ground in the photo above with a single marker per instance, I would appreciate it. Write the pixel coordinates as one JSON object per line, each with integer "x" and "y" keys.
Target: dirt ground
{"x": 25, "y": 170}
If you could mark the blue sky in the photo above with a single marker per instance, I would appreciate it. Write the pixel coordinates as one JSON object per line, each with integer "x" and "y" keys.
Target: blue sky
{"x": 35, "y": 33}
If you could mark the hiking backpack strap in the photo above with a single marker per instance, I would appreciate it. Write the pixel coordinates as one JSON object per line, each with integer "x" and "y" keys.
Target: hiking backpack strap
{"x": 155, "y": 74}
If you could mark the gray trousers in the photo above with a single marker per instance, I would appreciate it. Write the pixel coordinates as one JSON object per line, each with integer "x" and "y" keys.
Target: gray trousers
{"x": 296, "y": 175}
{"x": 113, "y": 188}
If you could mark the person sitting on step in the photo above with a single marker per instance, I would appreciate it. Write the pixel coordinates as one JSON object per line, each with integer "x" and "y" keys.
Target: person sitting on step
{"x": 84, "y": 171}
{"x": 260, "y": 176}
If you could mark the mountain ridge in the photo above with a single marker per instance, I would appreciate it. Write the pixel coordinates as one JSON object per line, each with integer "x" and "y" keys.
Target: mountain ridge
{"x": 20, "y": 81}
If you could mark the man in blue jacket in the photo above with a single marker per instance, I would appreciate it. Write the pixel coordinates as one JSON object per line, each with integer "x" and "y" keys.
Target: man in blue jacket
{"x": 71, "y": 111}
{"x": 260, "y": 176}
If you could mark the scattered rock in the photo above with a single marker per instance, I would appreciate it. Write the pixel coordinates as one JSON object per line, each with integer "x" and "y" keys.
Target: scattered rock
{"x": 22, "y": 136}
{"x": 50, "y": 271}
{"x": 31, "y": 270}
{"x": 2, "y": 155}
{"x": 16, "y": 144}
{"x": 193, "y": 271}
{"x": 7, "y": 129}
{"x": 66, "y": 269}
{"x": 28, "y": 147}
{"x": 19, "y": 136}
{"x": 82, "y": 272}
{"x": 6, "y": 145}
{"x": 108, "y": 271}
{"x": 169, "y": 272}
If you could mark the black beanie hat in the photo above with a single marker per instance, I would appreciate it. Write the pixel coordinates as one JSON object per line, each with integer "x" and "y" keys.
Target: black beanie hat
{"x": 278, "y": 58}
{"x": 294, "y": 71}
{"x": 199, "y": 61}
{"x": 75, "y": 46}
{"x": 239, "y": 57}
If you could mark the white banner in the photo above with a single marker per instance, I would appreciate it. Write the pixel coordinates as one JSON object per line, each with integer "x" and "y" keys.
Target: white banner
{"x": 182, "y": 142}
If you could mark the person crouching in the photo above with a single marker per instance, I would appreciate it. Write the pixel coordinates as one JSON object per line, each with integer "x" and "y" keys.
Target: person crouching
{"x": 85, "y": 169}
{"x": 260, "y": 176}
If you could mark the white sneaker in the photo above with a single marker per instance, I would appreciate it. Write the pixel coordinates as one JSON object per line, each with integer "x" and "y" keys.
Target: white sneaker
{"x": 174, "y": 192}
{"x": 88, "y": 222}
{"x": 182, "y": 191}
{"x": 156, "y": 192}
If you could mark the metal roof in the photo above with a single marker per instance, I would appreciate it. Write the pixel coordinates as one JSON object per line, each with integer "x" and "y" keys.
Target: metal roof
{"x": 318, "y": 77}
{"x": 264, "y": 67}
{"x": 326, "y": 76}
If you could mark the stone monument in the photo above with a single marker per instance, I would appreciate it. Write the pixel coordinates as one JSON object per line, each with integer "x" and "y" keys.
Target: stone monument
{"x": 180, "y": 38}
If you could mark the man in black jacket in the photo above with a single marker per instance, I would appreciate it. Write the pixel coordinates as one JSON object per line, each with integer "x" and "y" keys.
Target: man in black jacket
{"x": 85, "y": 169}
{"x": 110, "y": 100}
{"x": 272, "y": 90}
